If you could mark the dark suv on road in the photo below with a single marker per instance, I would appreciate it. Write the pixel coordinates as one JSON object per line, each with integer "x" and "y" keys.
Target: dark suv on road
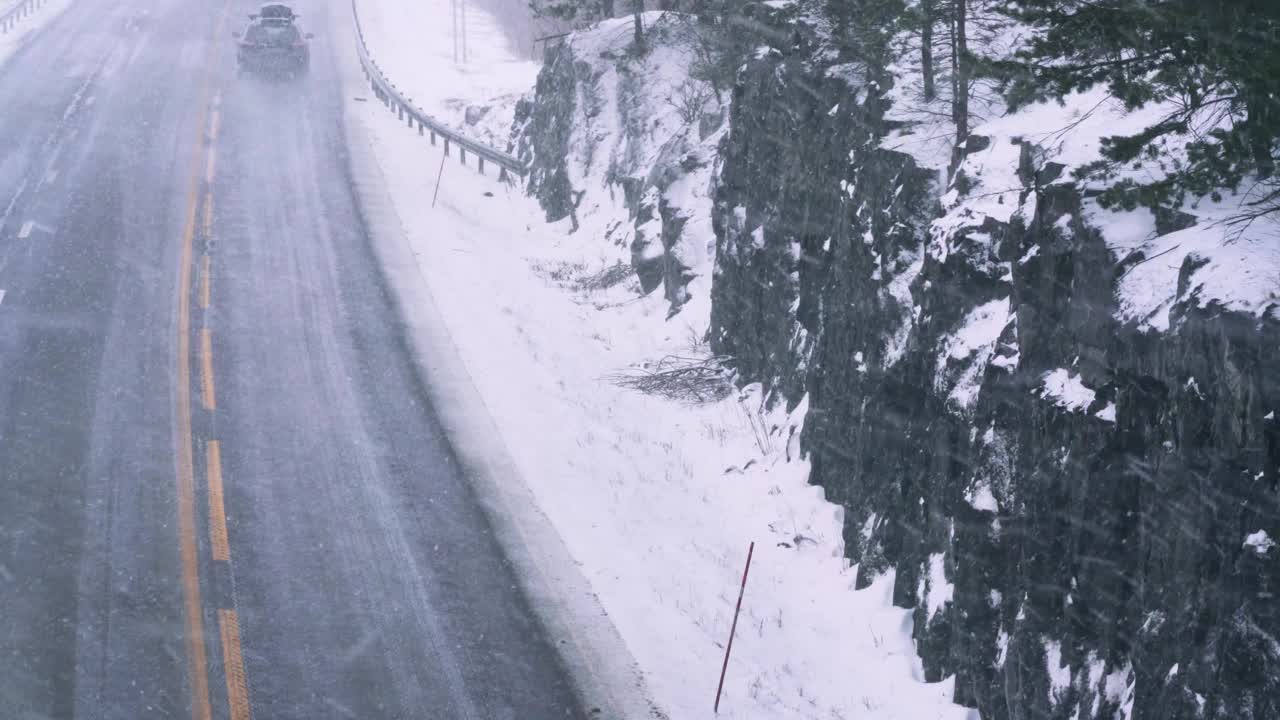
{"x": 273, "y": 43}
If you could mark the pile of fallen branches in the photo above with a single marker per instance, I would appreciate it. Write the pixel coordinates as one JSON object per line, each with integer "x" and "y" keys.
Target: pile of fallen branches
{"x": 692, "y": 380}
{"x": 614, "y": 274}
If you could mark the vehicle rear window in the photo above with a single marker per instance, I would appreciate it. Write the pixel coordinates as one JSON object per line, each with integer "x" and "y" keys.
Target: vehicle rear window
{"x": 272, "y": 34}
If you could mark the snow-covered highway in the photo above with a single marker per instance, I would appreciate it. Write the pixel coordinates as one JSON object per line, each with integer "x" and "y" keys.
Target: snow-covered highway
{"x": 223, "y": 489}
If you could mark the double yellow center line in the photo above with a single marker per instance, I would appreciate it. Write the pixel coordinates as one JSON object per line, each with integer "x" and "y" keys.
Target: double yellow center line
{"x": 219, "y": 542}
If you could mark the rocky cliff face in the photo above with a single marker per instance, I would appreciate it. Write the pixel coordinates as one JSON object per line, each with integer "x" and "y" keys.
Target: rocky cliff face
{"x": 1066, "y": 496}
{"x": 623, "y": 146}
{"x": 1054, "y": 427}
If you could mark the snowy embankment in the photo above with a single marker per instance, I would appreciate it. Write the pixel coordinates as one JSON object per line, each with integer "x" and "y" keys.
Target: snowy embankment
{"x": 656, "y": 501}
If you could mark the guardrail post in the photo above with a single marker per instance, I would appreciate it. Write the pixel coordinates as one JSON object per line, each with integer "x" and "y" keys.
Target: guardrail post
{"x": 419, "y": 127}
{"x": 409, "y": 117}
{"x": 480, "y": 163}
{"x": 462, "y": 154}
{"x": 502, "y": 173}
{"x": 446, "y": 147}
{"x": 433, "y": 137}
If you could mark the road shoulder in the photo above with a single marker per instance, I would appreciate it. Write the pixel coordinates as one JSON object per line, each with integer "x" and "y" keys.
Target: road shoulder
{"x": 606, "y": 677}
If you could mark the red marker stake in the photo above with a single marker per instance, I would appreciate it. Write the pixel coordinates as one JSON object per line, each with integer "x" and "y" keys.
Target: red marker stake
{"x": 733, "y": 629}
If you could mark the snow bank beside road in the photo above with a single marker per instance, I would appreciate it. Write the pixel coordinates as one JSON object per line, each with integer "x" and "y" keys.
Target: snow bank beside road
{"x": 656, "y": 501}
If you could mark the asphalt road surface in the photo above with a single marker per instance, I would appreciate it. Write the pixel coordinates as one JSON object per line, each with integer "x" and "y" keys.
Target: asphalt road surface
{"x": 222, "y": 491}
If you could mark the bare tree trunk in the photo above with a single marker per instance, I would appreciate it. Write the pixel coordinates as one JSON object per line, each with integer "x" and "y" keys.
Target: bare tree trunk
{"x": 926, "y": 48}
{"x": 1257, "y": 108}
{"x": 960, "y": 60}
{"x": 955, "y": 63}
{"x": 606, "y": 8}
{"x": 639, "y": 8}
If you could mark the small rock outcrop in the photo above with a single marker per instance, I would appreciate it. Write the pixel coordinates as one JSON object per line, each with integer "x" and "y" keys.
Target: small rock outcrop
{"x": 621, "y": 144}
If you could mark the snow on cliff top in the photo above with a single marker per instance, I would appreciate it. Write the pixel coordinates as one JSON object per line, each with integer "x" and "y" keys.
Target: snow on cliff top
{"x": 1069, "y": 133}
{"x": 1239, "y": 263}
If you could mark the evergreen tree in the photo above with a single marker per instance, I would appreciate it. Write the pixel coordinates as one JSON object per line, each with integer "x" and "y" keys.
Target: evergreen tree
{"x": 1215, "y": 62}
{"x": 578, "y": 13}
{"x": 864, "y": 30}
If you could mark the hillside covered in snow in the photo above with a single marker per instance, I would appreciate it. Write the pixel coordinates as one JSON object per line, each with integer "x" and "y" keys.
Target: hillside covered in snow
{"x": 1020, "y": 263}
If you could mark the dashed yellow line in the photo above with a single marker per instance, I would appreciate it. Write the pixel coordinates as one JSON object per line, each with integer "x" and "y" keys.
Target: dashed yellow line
{"x": 197, "y": 663}
{"x": 193, "y": 606}
{"x": 211, "y": 158}
{"x": 217, "y": 509}
{"x": 233, "y": 666}
{"x": 206, "y": 370}
{"x": 204, "y": 282}
{"x": 207, "y": 225}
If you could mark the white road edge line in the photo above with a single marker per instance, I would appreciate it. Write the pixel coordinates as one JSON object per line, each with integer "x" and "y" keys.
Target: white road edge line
{"x": 26, "y": 229}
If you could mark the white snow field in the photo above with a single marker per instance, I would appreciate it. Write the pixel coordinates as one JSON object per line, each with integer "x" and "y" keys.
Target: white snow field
{"x": 656, "y": 501}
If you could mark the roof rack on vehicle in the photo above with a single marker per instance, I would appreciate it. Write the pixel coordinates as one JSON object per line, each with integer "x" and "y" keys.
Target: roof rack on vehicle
{"x": 274, "y": 11}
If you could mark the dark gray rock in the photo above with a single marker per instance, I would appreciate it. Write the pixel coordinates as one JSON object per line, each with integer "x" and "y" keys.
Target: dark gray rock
{"x": 1109, "y": 549}
{"x": 543, "y": 131}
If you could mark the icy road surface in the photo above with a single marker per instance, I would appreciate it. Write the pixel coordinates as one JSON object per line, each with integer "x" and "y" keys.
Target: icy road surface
{"x": 222, "y": 491}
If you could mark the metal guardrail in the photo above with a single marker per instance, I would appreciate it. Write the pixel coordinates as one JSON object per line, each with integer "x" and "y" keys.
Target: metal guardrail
{"x": 24, "y": 8}
{"x": 404, "y": 109}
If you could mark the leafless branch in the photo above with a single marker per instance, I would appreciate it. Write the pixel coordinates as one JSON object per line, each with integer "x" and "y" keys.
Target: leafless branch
{"x": 691, "y": 380}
